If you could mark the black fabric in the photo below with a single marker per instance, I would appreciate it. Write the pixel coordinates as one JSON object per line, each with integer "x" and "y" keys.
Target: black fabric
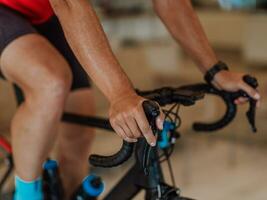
{"x": 14, "y": 25}
{"x": 53, "y": 32}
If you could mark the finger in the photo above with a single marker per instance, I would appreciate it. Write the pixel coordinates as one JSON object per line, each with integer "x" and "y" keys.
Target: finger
{"x": 145, "y": 127}
{"x": 121, "y": 122}
{"x": 119, "y": 130}
{"x": 131, "y": 123}
{"x": 250, "y": 91}
{"x": 243, "y": 100}
{"x": 115, "y": 127}
{"x": 128, "y": 133}
{"x": 130, "y": 140}
{"x": 236, "y": 102}
{"x": 160, "y": 120}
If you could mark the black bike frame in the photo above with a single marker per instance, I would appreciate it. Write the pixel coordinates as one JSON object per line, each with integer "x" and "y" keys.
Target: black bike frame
{"x": 135, "y": 179}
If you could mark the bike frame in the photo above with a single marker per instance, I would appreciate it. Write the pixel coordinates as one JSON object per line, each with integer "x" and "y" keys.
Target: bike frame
{"x": 132, "y": 182}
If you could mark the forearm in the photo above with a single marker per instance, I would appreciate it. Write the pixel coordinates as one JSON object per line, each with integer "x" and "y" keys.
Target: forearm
{"x": 184, "y": 25}
{"x": 89, "y": 43}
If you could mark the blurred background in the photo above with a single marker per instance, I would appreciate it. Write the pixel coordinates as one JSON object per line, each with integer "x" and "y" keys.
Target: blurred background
{"x": 229, "y": 164}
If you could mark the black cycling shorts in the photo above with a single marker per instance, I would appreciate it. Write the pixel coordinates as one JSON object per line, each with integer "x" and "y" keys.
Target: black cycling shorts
{"x": 14, "y": 25}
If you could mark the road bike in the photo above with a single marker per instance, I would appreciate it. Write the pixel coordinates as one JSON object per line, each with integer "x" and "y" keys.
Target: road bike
{"x": 146, "y": 173}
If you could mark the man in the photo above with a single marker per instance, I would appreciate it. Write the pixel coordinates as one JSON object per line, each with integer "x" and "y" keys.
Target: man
{"x": 35, "y": 56}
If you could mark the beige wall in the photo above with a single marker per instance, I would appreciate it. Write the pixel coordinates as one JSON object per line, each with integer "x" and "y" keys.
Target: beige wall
{"x": 7, "y": 105}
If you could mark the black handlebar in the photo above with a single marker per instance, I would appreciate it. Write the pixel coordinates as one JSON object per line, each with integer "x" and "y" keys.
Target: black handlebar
{"x": 186, "y": 96}
{"x": 231, "y": 108}
{"x": 123, "y": 155}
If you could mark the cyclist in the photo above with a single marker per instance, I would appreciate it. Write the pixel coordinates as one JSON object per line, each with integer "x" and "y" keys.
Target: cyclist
{"x": 36, "y": 56}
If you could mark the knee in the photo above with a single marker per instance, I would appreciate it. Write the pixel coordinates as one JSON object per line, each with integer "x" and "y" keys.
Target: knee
{"x": 51, "y": 86}
{"x": 57, "y": 86}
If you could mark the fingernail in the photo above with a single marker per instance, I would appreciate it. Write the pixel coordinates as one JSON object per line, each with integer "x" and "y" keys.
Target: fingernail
{"x": 153, "y": 144}
{"x": 257, "y": 96}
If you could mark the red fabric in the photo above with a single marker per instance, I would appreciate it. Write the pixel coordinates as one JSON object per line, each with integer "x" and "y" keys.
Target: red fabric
{"x": 5, "y": 145}
{"x": 37, "y": 11}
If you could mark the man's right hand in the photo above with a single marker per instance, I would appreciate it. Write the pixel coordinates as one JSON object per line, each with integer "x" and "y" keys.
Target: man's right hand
{"x": 232, "y": 82}
{"x": 128, "y": 119}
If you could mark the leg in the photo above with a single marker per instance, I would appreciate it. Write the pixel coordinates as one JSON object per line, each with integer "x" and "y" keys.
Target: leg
{"x": 74, "y": 141}
{"x": 44, "y": 76}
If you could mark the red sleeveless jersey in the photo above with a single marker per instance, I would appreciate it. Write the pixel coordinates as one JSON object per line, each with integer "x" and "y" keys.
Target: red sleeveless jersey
{"x": 37, "y": 11}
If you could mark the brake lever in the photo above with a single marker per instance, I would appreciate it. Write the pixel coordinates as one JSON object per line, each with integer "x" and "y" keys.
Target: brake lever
{"x": 152, "y": 111}
{"x": 251, "y": 113}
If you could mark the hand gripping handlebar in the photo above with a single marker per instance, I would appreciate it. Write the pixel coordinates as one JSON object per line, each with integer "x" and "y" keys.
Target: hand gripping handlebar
{"x": 231, "y": 107}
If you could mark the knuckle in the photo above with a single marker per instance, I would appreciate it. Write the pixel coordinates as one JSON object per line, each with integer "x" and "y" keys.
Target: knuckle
{"x": 127, "y": 116}
{"x": 118, "y": 119}
{"x": 136, "y": 110}
{"x": 112, "y": 121}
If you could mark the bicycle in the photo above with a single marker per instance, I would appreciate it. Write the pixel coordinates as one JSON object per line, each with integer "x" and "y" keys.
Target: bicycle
{"x": 146, "y": 174}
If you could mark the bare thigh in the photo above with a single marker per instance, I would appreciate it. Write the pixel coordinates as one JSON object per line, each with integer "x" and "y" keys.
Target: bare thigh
{"x": 34, "y": 64}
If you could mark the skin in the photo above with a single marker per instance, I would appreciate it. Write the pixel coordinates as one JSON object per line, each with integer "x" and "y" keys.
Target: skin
{"x": 35, "y": 125}
{"x": 75, "y": 140}
{"x": 182, "y": 22}
{"x": 46, "y": 84}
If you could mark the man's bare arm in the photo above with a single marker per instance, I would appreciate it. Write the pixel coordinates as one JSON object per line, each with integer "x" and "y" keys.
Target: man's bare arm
{"x": 183, "y": 23}
{"x": 89, "y": 43}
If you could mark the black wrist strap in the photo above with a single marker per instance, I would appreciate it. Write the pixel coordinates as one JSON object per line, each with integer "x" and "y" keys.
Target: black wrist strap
{"x": 209, "y": 76}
